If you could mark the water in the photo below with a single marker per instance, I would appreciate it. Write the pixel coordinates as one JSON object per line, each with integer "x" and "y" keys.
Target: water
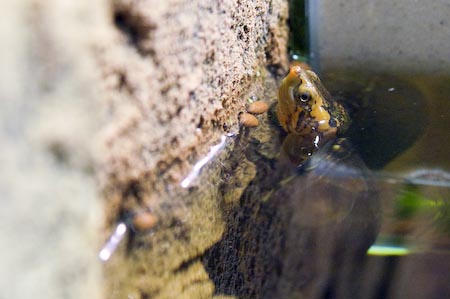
{"x": 351, "y": 222}
{"x": 402, "y": 129}
{"x": 412, "y": 130}
{"x": 355, "y": 223}
{"x": 371, "y": 221}
{"x": 407, "y": 115}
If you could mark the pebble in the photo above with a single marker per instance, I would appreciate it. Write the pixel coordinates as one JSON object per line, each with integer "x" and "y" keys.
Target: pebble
{"x": 248, "y": 120}
{"x": 257, "y": 107}
{"x": 144, "y": 221}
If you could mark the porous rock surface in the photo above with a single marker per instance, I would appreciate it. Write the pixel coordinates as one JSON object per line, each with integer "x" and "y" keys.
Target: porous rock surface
{"x": 120, "y": 99}
{"x": 176, "y": 75}
{"x": 50, "y": 214}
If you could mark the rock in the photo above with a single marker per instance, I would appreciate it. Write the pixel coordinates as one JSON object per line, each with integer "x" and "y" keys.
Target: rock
{"x": 120, "y": 99}
{"x": 176, "y": 75}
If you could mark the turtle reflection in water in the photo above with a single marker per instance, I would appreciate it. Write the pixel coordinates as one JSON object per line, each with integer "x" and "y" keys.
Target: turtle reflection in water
{"x": 299, "y": 232}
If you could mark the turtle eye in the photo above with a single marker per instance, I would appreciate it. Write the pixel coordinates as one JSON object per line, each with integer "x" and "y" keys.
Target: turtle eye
{"x": 304, "y": 96}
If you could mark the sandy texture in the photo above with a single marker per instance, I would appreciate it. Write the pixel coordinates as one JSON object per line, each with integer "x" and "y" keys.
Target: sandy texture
{"x": 50, "y": 215}
{"x": 176, "y": 75}
{"x": 120, "y": 99}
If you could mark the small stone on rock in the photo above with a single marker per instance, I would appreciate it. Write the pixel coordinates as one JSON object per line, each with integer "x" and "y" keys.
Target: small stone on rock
{"x": 144, "y": 221}
{"x": 257, "y": 107}
{"x": 248, "y": 120}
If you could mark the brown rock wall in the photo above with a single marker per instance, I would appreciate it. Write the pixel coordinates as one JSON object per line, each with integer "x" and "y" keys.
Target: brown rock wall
{"x": 176, "y": 75}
